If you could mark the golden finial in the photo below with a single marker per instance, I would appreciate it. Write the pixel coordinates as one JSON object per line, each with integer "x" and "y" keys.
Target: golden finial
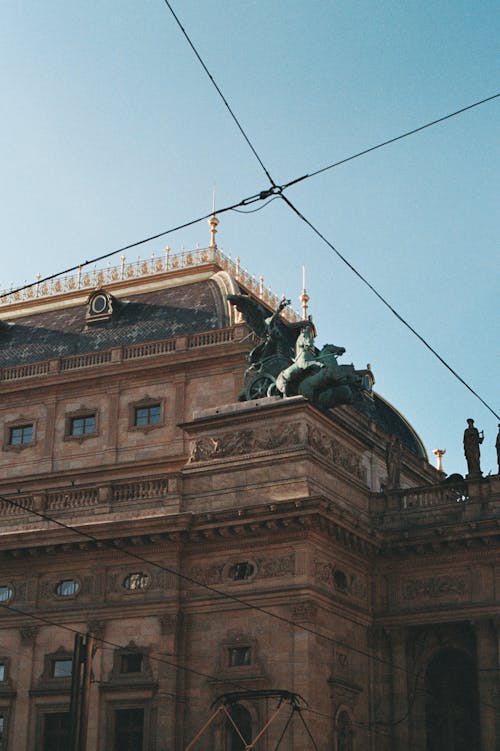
{"x": 438, "y": 453}
{"x": 304, "y": 297}
{"x": 213, "y": 222}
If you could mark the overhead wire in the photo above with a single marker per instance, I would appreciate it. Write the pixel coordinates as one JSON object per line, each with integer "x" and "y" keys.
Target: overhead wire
{"x": 152, "y": 655}
{"x": 215, "y": 590}
{"x": 228, "y": 107}
{"x": 244, "y": 202}
{"x": 301, "y": 216}
{"x": 400, "y": 318}
{"x": 390, "y": 140}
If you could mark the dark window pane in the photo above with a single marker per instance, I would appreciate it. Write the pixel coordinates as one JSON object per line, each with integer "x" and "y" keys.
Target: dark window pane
{"x": 129, "y": 730}
{"x": 6, "y": 593}
{"x": 67, "y": 587}
{"x": 147, "y": 415}
{"x": 239, "y": 656}
{"x": 243, "y": 721}
{"x": 242, "y": 571}
{"x": 82, "y": 425}
{"x": 21, "y": 434}
{"x": 56, "y": 731}
{"x": 131, "y": 663}
{"x": 137, "y": 580}
{"x": 2, "y": 671}
{"x": 61, "y": 668}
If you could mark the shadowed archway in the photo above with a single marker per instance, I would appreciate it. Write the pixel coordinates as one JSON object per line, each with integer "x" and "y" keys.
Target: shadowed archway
{"x": 452, "y": 711}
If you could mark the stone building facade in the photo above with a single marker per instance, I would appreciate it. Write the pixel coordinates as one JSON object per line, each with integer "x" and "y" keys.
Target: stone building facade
{"x": 214, "y": 546}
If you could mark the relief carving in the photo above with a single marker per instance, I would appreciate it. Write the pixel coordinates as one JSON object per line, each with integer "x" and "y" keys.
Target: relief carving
{"x": 28, "y": 632}
{"x": 323, "y": 572}
{"x": 207, "y": 574}
{"x": 334, "y": 578}
{"x": 335, "y": 452}
{"x": 434, "y": 586}
{"x": 304, "y": 611}
{"x": 244, "y": 442}
{"x": 268, "y": 567}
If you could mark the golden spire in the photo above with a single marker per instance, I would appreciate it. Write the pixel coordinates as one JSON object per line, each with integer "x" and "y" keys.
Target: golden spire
{"x": 438, "y": 453}
{"x": 304, "y": 297}
{"x": 213, "y": 222}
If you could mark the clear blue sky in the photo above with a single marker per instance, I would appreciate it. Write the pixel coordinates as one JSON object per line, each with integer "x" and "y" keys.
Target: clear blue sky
{"x": 111, "y": 132}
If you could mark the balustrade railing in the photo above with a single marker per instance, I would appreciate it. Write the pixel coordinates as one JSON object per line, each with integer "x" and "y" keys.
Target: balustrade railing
{"x": 65, "y": 499}
{"x": 430, "y": 497}
{"x": 86, "y": 279}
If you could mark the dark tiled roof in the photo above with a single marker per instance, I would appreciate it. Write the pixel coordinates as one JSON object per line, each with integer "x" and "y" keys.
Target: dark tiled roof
{"x": 147, "y": 317}
{"x": 391, "y": 422}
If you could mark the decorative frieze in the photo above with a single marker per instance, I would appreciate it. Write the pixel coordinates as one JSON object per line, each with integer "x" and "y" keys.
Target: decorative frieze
{"x": 270, "y": 567}
{"x": 335, "y": 452}
{"x": 339, "y": 581}
{"x": 304, "y": 611}
{"x": 434, "y": 586}
{"x": 236, "y": 443}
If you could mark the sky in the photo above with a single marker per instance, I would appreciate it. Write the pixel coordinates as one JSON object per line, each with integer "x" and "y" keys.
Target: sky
{"x": 112, "y": 132}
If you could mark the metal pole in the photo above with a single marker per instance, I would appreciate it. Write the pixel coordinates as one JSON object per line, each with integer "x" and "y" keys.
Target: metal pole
{"x": 74, "y": 709}
{"x": 205, "y": 726}
{"x": 85, "y": 692}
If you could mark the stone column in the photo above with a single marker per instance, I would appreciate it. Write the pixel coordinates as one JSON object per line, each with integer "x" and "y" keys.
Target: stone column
{"x": 486, "y": 630}
{"x": 400, "y": 698}
{"x": 379, "y": 646}
{"x": 171, "y": 627}
{"x": 25, "y": 679}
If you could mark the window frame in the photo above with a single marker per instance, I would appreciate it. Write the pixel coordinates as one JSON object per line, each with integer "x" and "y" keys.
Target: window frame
{"x": 143, "y": 588}
{"x": 62, "y": 596}
{"x": 117, "y": 705}
{"x": 42, "y": 710}
{"x": 48, "y": 681}
{"x": 145, "y": 675}
{"x": 4, "y": 737}
{"x": 81, "y": 413}
{"x": 20, "y": 422}
{"x": 244, "y": 650}
{"x": 12, "y": 594}
{"x": 147, "y": 402}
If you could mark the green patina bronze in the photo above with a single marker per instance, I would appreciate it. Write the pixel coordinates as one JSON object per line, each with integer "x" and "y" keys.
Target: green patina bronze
{"x": 286, "y": 361}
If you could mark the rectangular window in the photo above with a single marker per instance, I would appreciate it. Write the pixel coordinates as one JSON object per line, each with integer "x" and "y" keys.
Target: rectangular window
{"x": 56, "y": 731}
{"x": 3, "y": 671}
{"x": 129, "y": 729}
{"x": 3, "y": 731}
{"x": 61, "y": 668}
{"x": 149, "y": 415}
{"x": 131, "y": 663}
{"x": 82, "y": 425}
{"x": 239, "y": 656}
{"x": 21, "y": 434}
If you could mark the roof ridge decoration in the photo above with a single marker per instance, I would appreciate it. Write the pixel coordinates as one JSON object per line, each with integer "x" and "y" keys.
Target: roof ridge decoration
{"x": 168, "y": 263}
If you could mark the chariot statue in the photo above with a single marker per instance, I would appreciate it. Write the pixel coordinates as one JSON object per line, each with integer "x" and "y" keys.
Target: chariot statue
{"x": 286, "y": 362}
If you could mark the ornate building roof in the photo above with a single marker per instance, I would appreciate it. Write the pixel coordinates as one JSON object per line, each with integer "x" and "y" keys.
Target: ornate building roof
{"x": 146, "y": 317}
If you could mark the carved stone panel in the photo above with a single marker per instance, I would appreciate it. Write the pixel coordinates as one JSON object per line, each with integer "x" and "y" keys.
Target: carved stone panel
{"x": 236, "y": 443}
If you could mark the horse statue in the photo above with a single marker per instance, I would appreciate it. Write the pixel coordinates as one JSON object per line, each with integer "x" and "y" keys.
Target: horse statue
{"x": 318, "y": 375}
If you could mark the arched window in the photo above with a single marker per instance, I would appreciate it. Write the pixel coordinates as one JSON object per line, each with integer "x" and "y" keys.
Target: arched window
{"x": 451, "y": 711}
{"x": 344, "y": 732}
{"x": 236, "y": 741}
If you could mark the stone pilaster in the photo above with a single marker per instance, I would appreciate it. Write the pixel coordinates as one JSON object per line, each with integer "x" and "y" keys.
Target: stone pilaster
{"x": 400, "y": 698}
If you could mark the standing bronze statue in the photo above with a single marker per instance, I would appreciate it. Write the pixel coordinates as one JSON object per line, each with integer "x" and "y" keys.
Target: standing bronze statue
{"x": 497, "y": 445}
{"x": 472, "y": 440}
{"x": 393, "y": 452}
